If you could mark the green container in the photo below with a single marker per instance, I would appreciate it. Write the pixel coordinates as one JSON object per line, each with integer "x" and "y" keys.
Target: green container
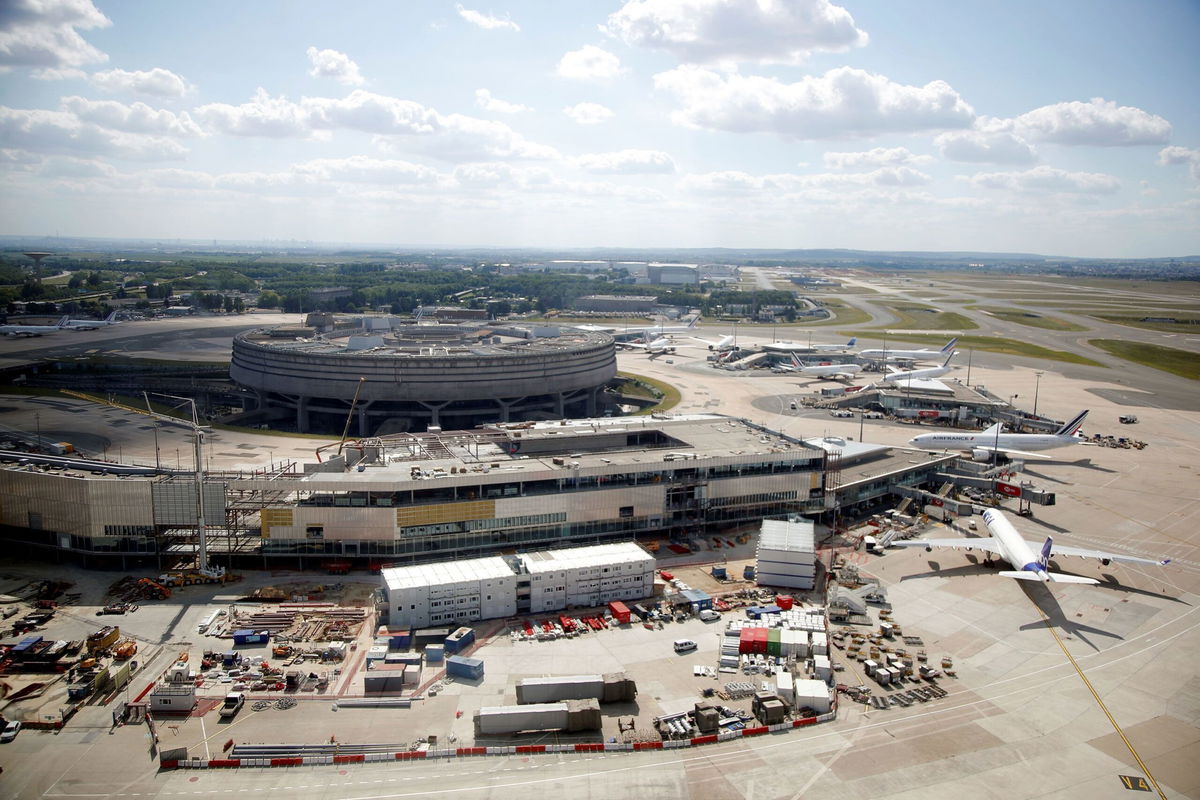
{"x": 773, "y": 636}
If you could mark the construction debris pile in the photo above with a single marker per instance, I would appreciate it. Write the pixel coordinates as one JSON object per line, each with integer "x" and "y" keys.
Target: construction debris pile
{"x": 295, "y": 622}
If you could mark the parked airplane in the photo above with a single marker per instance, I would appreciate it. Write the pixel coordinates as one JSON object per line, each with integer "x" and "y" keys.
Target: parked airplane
{"x": 984, "y": 445}
{"x": 719, "y": 346}
{"x": 898, "y": 376}
{"x": 656, "y": 347}
{"x": 32, "y": 330}
{"x": 653, "y": 330}
{"x": 828, "y": 371}
{"x": 913, "y": 355}
{"x": 92, "y": 324}
{"x": 835, "y": 347}
{"x": 1010, "y": 546}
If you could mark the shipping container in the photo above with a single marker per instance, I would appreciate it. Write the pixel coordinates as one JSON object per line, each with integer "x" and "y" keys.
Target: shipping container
{"x": 434, "y": 653}
{"x": 773, "y": 648}
{"x": 559, "y": 688}
{"x": 251, "y": 637}
{"x": 463, "y": 667}
{"x": 748, "y": 572}
{"x": 460, "y": 640}
{"x": 784, "y": 601}
{"x": 511, "y": 719}
{"x": 619, "y": 611}
{"x": 719, "y": 573}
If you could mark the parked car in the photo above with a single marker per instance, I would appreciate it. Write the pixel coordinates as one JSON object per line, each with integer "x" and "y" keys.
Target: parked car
{"x": 10, "y": 731}
{"x": 708, "y": 615}
{"x": 684, "y": 645}
{"x": 841, "y": 412}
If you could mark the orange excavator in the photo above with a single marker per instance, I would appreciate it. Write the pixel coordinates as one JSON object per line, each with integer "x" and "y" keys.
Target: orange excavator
{"x": 154, "y": 588}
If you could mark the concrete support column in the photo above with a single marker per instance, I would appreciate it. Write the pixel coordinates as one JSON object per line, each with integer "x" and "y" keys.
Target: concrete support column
{"x": 593, "y": 398}
{"x": 302, "y": 414}
{"x": 560, "y": 402}
{"x": 364, "y": 428}
{"x": 434, "y": 410}
{"x": 506, "y": 407}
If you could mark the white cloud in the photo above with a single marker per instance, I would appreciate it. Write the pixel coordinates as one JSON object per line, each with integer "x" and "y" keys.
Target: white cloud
{"x": 55, "y": 74}
{"x": 158, "y": 81}
{"x": 362, "y": 169}
{"x": 495, "y": 175}
{"x": 1097, "y": 122}
{"x": 264, "y": 115}
{"x": 61, "y": 132}
{"x": 1181, "y": 155}
{"x": 842, "y": 102}
{"x": 588, "y": 113}
{"x": 485, "y": 100}
{"x": 487, "y": 21}
{"x": 627, "y": 162}
{"x": 332, "y": 64}
{"x": 589, "y": 63}
{"x": 45, "y": 33}
{"x": 454, "y": 137}
{"x": 69, "y": 167}
{"x": 877, "y": 157}
{"x": 985, "y": 146}
{"x": 135, "y": 118}
{"x": 781, "y": 31}
{"x": 1048, "y": 179}
{"x": 876, "y": 182}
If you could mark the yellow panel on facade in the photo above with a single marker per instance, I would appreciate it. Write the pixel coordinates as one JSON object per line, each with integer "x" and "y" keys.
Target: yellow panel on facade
{"x": 275, "y": 517}
{"x": 446, "y": 512}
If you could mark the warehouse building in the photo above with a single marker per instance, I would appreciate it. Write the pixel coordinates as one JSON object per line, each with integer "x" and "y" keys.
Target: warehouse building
{"x": 495, "y": 587}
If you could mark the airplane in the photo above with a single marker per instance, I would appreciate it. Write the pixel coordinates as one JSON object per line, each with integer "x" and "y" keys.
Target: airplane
{"x": 914, "y": 374}
{"x": 653, "y": 330}
{"x": 32, "y": 330}
{"x": 657, "y": 347}
{"x": 92, "y": 324}
{"x": 719, "y": 346}
{"x": 986, "y": 444}
{"x": 827, "y": 371}
{"x": 1010, "y": 546}
{"x": 913, "y": 355}
{"x": 834, "y": 347}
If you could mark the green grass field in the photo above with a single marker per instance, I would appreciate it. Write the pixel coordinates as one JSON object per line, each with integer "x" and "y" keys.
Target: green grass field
{"x": 915, "y": 316}
{"x": 1166, "y": 327}
{"x": 1168, "y": 359}
{"x": 642, "y": 386}
{"x": 1032, "y": 320}
{"x": 991, "y": 344}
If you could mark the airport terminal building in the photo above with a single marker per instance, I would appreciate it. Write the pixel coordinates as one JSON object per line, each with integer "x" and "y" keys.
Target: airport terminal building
{"x": 423, "y": 497}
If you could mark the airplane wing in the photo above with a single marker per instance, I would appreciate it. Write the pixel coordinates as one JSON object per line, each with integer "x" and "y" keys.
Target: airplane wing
{"x": 892, "y": 370}
{"x": 1057, "y": 577}
{"x": 1008, "y": 451}
{"x": 1059, "y": 550}
{"x": 989, "y": 544}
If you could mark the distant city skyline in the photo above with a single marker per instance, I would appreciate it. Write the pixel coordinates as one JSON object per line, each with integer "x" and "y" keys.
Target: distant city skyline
{"x": 1065, "y": 129}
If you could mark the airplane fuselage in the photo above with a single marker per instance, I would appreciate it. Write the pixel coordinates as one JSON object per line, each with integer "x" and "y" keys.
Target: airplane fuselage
{"x": 1010, "y": 441}
{"x": 1013, "y": 547}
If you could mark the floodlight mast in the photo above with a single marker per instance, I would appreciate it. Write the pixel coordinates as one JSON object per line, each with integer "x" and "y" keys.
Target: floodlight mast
{"x": 198, "y": 441}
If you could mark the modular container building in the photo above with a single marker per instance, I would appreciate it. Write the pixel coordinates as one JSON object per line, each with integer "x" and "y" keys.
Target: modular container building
{"x": 773, "y": 642}
{"x": 434, "y": 653}
{"x": 463, "y": 667}
{"x": 785, "y": 686}
{"x": 573, "y": 715}
{"x": 377, "y": 653}
{"x": 719, "y": 573}
{"x": 386, "y": 678}
{"x": 172, "y": 698}
{"x": 786, "y": 554}
{"x": 460, "y": 640}
{"x": 814, "y": 694}
{"x": 398, "y": 639}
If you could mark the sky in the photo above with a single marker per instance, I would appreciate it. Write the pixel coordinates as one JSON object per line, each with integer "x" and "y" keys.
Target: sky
{"x": 1065, "y": 128}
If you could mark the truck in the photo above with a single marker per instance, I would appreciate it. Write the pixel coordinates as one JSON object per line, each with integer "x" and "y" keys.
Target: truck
{"x": 232, "y": 705}
{"x": 188, "y": 577}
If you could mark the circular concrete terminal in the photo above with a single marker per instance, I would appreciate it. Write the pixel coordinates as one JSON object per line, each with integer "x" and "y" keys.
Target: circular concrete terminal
{"x": 414, "y": 376}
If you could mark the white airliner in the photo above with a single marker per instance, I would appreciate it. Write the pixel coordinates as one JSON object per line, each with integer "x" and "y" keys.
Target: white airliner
{"x": 32, "y": 330}
{"x": 719, "y": 346}
{"x": 912, "y": 355}
{"x": 919, "y": 374}
{"x": 92, "y": 324}
{"x": 655, "y": 348}
{"x": 653, "y": 330}
{"x": 829, "y": 371}
{"x": 984, "y": 445}
{"x": 1008, "y": 544}
{"x": 834, "y": 348}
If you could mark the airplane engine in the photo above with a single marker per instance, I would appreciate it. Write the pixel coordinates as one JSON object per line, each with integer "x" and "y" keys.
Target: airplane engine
{"x": 1106, "y": 561}
{"x": 979, "y": 454}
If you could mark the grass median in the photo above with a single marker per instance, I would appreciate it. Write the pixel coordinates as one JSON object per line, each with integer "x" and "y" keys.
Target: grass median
{"x": 990, "y": 344}
{"x": 1168, "y": 359}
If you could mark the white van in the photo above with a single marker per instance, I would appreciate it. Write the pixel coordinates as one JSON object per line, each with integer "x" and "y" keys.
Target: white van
{"x": 684, "y": 645}
{"x": 708, "y": 615}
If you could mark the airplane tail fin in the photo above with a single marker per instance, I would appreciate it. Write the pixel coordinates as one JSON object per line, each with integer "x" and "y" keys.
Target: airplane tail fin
{"x": 1072, "y": 427}
{"x": 949, "y": 356}
{"x": 1044, "y": 556}
{"x": 992, "y": 431}
{"x": 852, "y": 342}
{"x": 695, "y": 321}
{"x": 112, "y": 316}
{"x": 795, "y": 361}
{"x": 62, "y": 323}
{"x": 949, "y": 348}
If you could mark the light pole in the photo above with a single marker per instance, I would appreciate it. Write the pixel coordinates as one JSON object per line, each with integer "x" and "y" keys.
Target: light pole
{"x": 1036, "y": 385}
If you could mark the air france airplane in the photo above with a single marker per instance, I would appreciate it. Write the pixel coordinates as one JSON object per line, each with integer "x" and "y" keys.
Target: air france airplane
{"x": 920, "y": 374}
{"x": 1010, "y": 546}
{"x": 985, "y": 444}
{"x": 914, "y": 355}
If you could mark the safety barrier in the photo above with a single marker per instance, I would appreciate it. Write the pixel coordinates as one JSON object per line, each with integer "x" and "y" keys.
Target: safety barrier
{"x": 528, "y": 749}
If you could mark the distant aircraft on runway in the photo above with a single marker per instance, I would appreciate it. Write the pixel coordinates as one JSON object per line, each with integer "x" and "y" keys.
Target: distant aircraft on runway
{"x": 719, "y": 346}
{"x": 1008, "y": 544}
{"x": 32, "y": 330}
{"x": 986, "y": 444}
{"x": 828, "y": 371}
{"x": 657, "y": 347}
{"x": 92, "y": 324}
{"x": 832, "y": 348}
{"x": 912, "y": 355}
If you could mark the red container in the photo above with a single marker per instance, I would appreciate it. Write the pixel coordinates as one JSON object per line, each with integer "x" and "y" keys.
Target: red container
{"x": 744, "y": 640}
{"x": 619, "y": 611}
{"x": 784, "y": 601}
{"x": 759, "y": 642}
